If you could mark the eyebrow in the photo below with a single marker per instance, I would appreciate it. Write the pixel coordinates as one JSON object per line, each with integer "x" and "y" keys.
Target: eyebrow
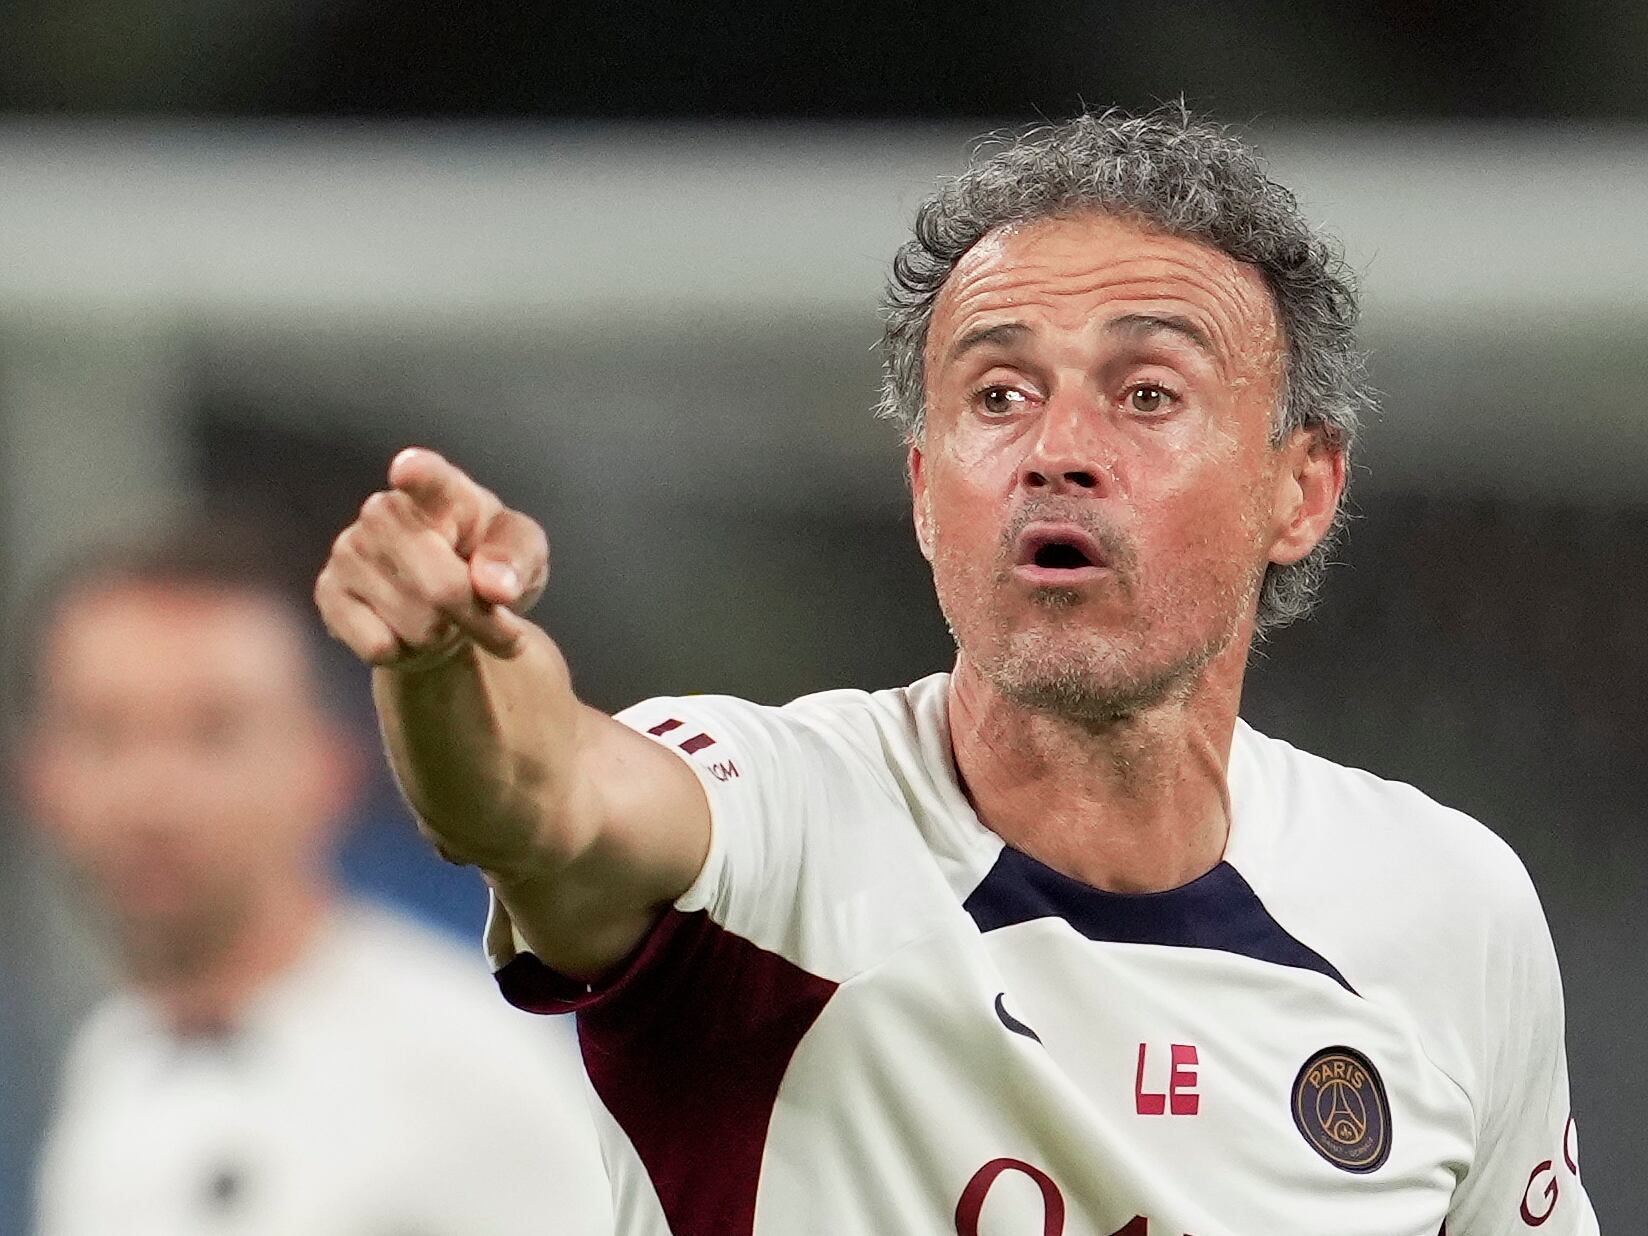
{"x": 1139, "y": 325}
{"x": 1000, "y": 333}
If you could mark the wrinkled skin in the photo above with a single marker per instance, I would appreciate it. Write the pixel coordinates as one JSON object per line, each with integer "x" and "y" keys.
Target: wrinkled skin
{"x": 1129, "y": 388}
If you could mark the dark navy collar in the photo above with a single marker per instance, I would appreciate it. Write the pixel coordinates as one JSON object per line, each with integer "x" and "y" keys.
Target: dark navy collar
{"x": 1218, "y": 910}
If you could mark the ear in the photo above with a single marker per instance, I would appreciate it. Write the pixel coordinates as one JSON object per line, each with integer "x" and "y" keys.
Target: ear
{"x": 920, "y": 504}
{"x": 1310, "y": 480}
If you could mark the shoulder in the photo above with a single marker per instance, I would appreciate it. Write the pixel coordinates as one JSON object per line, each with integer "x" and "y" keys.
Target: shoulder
{"x": 1419, "y": 905}
{"x": 429, "y": 1006}
{"x": 1384, "y": 837}
{"x": 874, "y": 738}
{"x": 829, "y": 800}
{"x": 114, "y": 1022}
{"x": 382, "y": 959}
{"x": 106, "y": 1053}
{"x": 439, "y": 1075}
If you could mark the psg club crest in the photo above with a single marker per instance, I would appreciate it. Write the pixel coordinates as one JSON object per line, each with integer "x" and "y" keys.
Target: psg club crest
{"x": 1340, "y": 1107}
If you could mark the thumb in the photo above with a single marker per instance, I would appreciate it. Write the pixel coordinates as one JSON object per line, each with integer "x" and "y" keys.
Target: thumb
{"x": 510, "y": 565}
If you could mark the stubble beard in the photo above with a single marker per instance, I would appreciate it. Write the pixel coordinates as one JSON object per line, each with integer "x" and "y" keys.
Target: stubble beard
{"x": 1106, "y": 682}
{"x": 1094, "y": 680}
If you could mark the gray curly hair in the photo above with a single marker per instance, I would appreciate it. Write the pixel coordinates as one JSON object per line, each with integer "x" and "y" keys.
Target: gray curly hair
{"x": 1176, "y": 174}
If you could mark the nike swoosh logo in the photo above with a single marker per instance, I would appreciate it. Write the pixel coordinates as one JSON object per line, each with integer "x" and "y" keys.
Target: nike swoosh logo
{"x": 1011, "y": 1022}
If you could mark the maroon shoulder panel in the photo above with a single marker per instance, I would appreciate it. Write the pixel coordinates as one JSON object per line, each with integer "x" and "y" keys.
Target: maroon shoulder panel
{"x": 686, "y": 1049}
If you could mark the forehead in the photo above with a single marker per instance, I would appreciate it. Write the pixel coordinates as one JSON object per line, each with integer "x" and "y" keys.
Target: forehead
{"x": 172, "y": 641}
{"x": 1075, "y": 273}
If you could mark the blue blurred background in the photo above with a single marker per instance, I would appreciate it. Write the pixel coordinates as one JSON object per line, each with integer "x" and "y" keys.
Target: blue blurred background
{"x": 622, "y": 262}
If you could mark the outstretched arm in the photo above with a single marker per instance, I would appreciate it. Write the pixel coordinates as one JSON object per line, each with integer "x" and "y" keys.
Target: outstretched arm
{"x": 585, "y": 829}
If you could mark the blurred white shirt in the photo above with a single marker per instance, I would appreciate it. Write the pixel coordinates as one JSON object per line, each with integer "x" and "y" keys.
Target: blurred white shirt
{"x": 380, "y": 1088}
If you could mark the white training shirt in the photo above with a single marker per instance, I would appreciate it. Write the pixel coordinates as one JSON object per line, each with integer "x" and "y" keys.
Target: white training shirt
{"x": 378, "y": 1088}
{"x": 870, "y": 1016}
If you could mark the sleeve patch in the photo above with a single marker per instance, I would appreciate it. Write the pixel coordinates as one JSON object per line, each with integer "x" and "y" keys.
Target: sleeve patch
{"x": 690, "y": 742}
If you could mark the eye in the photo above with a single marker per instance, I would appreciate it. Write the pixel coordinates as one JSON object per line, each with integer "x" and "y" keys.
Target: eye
{"x": 999, "y": 400}
{"x": 1149, "y": 399}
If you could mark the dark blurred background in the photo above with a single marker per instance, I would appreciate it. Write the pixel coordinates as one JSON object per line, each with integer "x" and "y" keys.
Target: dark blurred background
{"x": 622, "y": 262}
{"x": 1395, "y": 59}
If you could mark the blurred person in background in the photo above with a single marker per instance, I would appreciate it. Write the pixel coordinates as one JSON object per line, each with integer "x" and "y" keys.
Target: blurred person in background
{"x": 277, "y": 1060}
{"x": 1053, "y": 942}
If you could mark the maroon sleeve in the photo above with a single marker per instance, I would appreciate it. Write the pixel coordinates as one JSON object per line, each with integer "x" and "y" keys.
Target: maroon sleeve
{"x": 686, "y": 1046}
{"x": 529, "y": 984}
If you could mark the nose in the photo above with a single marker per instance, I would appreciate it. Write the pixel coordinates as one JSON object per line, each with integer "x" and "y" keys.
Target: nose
{"x": 1066, "y": 456}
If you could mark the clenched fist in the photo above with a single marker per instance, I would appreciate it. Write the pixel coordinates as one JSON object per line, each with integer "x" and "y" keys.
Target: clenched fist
{"x": 433, "y": 563}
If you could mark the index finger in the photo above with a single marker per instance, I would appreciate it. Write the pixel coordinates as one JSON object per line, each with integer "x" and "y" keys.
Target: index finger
{"x": 442, "y": 492}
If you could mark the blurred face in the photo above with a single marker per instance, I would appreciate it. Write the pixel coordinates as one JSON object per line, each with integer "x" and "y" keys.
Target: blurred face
{"x": 180, "y": 761}
{"x": 1097, "y": 490}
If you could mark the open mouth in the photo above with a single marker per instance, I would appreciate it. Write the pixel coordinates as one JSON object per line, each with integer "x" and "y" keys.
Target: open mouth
{"x": 1049, "y": 550}
{"x": 1061, "y": 556}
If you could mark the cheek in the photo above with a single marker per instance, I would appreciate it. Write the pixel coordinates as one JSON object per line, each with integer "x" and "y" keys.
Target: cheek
{"x": 73, "y": 800}
{"x": 1209, "y": 526}
{"x": 298, "y": 794}
{"x": 80, "y": 792}
{"x": 963, "y": 552}
{"x": 965, "y": 493}
{"x": 264, "y": 783}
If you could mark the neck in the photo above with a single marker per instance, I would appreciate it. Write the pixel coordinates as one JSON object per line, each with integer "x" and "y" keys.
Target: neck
{"x": 211, "y": 993}
{"x": 1139, "y": 804}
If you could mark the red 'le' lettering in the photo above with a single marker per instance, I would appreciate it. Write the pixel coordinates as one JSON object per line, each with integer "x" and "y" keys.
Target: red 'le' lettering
{"x": 1180, "y": 1097}
{"x": 1145, "y": 1102}
{"x": 1181, "y": 1081}
{"x": 971, "y": 1204}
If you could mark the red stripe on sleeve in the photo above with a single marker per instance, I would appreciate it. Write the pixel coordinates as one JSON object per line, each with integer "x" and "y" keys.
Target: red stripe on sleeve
{"x": 686, "y": 1047}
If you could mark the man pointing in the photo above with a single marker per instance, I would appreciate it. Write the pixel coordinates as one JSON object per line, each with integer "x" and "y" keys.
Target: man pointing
{"x": 1052, "y": 943}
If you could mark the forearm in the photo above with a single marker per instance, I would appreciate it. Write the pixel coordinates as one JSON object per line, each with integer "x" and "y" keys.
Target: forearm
{"x": 584, "y": 828}
{"x": 485, "y": 751}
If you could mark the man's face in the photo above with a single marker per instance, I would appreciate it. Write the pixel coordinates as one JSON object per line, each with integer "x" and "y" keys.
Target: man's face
{"x": 1097, "y": 489}
{"x": 180, "y": 760}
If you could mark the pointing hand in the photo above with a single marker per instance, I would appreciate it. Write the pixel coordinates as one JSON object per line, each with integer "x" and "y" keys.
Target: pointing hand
{"x": 432, "y": 564}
